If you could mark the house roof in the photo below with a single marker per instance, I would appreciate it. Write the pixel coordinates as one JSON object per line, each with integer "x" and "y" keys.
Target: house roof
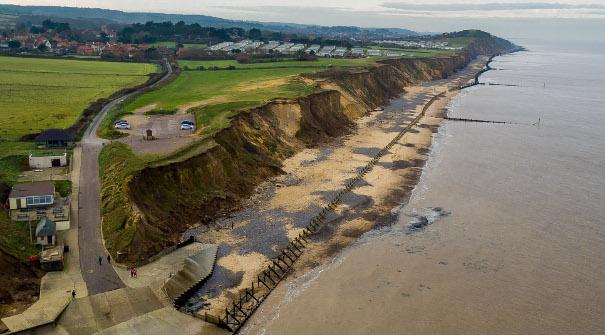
{"x": 46, "y": 227}
{"x": 54, "y": 135}
{"x": 32, "y": 189}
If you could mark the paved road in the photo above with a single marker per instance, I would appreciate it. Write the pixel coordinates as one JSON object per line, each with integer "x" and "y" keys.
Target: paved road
{"x": 98, "y": 278}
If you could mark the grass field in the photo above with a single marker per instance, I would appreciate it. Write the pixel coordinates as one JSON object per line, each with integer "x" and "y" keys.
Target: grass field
{"x": 321, "y": 62}
{"x": 418, "y": 53}
{"x": 36, "y": 94}
{"x": 225, "y": 86}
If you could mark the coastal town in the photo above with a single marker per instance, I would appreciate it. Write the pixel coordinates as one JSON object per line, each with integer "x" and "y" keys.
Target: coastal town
{"x": 51, "y": 38}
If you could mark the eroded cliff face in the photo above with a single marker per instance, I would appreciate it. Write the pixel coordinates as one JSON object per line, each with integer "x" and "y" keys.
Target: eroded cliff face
{"x": 164, "y": 201}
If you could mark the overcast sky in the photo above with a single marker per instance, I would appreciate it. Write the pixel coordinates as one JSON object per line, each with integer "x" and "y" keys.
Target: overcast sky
{"x": 425, "y": 16}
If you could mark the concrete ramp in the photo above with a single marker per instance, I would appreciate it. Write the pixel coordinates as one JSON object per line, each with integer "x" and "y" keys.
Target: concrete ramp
{"x": 196, "y": 269}
{"x": 163, "y": 321}
{"x": 55, "y": 296}
{"x": 97, "y": 312}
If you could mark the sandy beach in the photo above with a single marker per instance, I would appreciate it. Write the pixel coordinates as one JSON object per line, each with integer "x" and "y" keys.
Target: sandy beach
{"x": 282, "y": 207}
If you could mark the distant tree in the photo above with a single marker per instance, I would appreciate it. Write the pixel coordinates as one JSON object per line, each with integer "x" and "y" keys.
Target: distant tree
{"x": 179, "y": 45}
{"x": 152, "y": 53}
{"x": 21, "y": 27}
{"x": 255, "y": 34}
{"x": 62, "y": 27}
{"x": 103, "y": 37}
{"x": 42, "y": 47}
{"x": 14, "y": 44}
{"x": 37, "y": 30}
{"x": 303, "y": 56}
{"x": 48, "y": 24}
{"x": 58, "y": 27}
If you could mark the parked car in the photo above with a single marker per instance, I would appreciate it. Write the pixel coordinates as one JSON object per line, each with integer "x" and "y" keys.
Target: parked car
{"x": 122, "y": 125}
{"x": 120, "y": 121}
{"x": 187, "y": 125}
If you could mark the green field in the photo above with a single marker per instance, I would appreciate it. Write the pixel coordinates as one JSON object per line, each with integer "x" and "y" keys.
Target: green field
{"x": 212, "y": 93}
{"x": 418, "y": 53}
{"x": 36, "y": 94}
{"x": 321, "y": 62}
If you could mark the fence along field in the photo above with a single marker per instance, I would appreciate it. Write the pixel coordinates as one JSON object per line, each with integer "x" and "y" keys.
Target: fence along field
{"x": 36, "y": 94}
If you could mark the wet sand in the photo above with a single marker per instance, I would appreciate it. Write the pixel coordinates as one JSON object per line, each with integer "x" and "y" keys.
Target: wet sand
{"x": 282, "y": 207}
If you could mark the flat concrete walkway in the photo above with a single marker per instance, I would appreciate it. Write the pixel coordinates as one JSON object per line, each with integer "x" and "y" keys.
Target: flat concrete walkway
{"x": 97, "y": 312}
{"x": 164, "y": 321}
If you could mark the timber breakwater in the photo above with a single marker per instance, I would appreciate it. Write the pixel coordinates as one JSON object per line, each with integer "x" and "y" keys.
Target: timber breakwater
{"x": 251, "y": 298}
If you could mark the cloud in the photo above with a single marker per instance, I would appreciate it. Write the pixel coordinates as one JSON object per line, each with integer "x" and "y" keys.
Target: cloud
{"x": 491, "y": 6}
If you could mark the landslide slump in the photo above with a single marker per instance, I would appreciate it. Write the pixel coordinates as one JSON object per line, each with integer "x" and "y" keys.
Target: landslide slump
{"x": 147, "y": 207}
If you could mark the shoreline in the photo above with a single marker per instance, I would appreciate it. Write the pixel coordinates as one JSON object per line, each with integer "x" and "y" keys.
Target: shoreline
{"x": 310, "y": 267}
{"x": 311, "y": 178}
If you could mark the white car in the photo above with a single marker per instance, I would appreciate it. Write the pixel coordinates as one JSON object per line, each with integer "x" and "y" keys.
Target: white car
{"x": 122, "y": 125}
{"x": 187, "y": 125}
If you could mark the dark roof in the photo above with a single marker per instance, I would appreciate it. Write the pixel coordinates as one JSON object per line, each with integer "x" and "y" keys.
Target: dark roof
{"x": 32, "y": 189}
{"x": 46, "y": 227}
{"x": 54, "y": 135}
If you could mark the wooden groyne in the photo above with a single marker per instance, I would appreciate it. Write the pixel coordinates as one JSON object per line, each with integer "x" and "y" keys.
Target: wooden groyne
{"x": 475, "y": 120}
{"x": 248, "y": 300}
{"x": 478, "y": 74}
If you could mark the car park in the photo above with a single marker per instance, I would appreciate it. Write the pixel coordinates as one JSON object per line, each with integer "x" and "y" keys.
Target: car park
{"x": 187, "y": 125}
{"x": 122, "y": 125}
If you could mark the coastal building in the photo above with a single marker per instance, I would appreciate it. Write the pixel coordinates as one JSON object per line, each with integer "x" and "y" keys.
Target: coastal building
{"x": 31, "y": 195}
{"x": 53, "y": 138}
{"x": 220, "y": 46}
{"x": 357, "y": 52}
{"x": 326, "y": 51}
{"x": 42, "y": 161}
{"x": 46, "y": 232}
{"x": 271, "y": 45}
{"x": 284, "y": 48}
{"x": 374, "y": 53}
{"x": 339, "y": 52}
{"x": 314, "y": 48}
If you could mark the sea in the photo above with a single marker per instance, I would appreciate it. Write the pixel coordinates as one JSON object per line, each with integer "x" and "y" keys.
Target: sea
{"x": 505, "y": 231}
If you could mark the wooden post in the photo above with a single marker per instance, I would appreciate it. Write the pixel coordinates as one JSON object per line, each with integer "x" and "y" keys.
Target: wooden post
{"x": 268, "y": 275}
{"x": 267, "y": 286}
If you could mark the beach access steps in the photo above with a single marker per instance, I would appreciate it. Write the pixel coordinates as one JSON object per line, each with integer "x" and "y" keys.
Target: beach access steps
{"x": 248, "y": 301}
{"x": 196, "y": 270}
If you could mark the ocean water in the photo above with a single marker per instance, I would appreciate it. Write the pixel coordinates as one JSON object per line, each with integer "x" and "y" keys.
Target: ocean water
{"x": 505, "y": 232}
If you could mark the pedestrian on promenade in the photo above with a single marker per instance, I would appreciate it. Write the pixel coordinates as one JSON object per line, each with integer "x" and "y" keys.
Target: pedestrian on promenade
{"x": 108, "y": 259}
{"x": 100, "y": 260}
{"x": 135, "y": 272}
{"x": 131, "y": 271}
{"x": 73, "y": 294}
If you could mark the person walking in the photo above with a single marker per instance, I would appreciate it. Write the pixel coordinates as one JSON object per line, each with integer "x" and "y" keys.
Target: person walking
{"x": 73, "y": 294}
{"x": 100, "y": 260}
{"x": 131, "y": 271}
{"x": 135, "y": 271}
{"x": 108, "y": 259}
